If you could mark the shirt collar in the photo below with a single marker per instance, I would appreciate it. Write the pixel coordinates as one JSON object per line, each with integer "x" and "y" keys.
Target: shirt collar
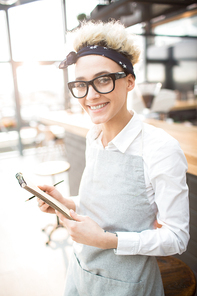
{"x": 124, "y": 139}
{"x": 128, "y": 134}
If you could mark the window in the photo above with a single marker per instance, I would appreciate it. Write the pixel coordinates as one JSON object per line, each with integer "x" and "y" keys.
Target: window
{"x": 4, "y": 48}
{"x": 40, "y": 88}
{"x": 38, "y": 45}
{"x": 39, "y": 35}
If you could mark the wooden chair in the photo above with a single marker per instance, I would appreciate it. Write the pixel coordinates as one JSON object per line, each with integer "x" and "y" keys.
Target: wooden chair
{"x": 178, "y": 279}
{"x": 52, "y": 168}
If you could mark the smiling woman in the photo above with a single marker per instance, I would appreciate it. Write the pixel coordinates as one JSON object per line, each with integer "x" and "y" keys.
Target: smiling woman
{"x": 133, "y": 188}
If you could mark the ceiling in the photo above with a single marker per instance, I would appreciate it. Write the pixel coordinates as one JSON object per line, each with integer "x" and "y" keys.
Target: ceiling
{"x": 133, "y": 12}
{"x": 19, "y": 2}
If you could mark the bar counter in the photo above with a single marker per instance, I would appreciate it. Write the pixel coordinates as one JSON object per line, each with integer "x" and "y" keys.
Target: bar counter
{"x": 184, "y": 105}
{"x": 79, "y": 124}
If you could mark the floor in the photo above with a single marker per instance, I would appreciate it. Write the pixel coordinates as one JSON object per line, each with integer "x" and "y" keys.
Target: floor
{"x": 27, "y": 265}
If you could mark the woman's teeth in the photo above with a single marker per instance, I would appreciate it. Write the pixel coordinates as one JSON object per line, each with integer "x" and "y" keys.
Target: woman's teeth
{"x": 97, "y": 107}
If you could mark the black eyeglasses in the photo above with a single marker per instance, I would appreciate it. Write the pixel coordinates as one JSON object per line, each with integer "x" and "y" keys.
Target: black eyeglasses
{"x": 103, "y": 84}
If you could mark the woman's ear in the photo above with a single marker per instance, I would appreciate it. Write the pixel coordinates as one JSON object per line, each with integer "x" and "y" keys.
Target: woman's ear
{"x": 131, "y": 82}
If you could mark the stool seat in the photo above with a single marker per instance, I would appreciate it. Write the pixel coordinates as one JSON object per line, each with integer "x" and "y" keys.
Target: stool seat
{"x": 178, "y": 279}
{"x": 50, "y": 168}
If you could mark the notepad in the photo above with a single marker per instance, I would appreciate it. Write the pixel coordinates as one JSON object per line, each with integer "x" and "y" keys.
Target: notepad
{"x": 32, "y": 188}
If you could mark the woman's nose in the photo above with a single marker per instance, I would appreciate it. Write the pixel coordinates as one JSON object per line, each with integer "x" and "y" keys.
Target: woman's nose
{"x": 92, "y": 93}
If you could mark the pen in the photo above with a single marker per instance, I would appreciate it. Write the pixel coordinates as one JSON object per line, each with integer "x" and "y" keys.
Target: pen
{"x": 53, "y": 185}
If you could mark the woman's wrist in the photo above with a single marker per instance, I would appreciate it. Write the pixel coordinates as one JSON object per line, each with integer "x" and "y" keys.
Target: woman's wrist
{"x": 110, "y": 240}
{"x": 69, "y": 203}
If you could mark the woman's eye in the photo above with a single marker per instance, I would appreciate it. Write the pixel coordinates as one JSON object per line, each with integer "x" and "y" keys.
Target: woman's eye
{"x": 80, "y": 85}
{"x": 104, "y": 80}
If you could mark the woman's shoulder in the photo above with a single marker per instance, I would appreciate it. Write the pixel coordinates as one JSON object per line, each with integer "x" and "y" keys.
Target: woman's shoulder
{"x": 157, "y": 140}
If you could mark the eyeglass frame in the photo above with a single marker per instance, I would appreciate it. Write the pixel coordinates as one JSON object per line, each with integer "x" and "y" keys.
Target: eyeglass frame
{"x": 114, "y": 77}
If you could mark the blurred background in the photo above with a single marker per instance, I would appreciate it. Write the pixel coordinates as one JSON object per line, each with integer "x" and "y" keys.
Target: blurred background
{"x": 33, "y": 42}
{"x": 41, "y": 122}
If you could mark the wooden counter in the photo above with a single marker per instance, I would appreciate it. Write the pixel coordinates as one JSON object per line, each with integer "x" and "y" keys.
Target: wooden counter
{"x": 184, "y": 105}
{"x": 79, "y": 124}
{"x": 186, "y": 136}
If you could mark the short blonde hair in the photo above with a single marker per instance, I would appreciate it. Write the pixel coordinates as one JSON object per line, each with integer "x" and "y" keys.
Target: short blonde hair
{"x": 111, "y": 34}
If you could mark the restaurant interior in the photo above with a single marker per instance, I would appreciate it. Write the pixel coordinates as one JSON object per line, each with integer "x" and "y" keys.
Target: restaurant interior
{"x": 41, "y": 123}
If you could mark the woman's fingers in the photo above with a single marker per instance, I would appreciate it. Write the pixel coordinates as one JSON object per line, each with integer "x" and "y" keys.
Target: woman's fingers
{"x": 44, "y": 207}
{"x": 157, "y": 225}
{"x": 41, "y": 203}
{"x": 46, "y": 188}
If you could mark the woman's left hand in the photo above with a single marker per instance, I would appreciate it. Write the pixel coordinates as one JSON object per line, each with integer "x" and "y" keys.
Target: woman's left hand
{"x": 86, "y": 231}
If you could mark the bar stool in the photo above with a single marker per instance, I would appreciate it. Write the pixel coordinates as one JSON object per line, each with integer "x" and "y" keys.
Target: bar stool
{"x": 52, "y": 168}
{"x": 178, "y": 279}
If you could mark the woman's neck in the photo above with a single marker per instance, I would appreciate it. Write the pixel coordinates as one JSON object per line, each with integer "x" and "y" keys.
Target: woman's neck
{"x": 112, "y": 129}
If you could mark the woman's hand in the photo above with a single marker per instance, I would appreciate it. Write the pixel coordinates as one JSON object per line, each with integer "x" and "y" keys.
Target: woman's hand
{"x": 157, "y": 225}
{"x": 51, "y": 190}
{"x": 86, "y": 231}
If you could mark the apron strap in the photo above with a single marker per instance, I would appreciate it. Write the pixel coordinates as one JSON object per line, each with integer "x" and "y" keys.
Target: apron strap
{"x": 142, "y": 141}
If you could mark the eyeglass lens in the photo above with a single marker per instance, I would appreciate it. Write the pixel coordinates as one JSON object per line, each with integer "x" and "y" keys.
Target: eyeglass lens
{"x": 102, "y": 84}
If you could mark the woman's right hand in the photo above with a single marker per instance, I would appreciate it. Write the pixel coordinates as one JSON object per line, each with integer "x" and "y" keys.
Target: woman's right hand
{"x": 51, "y": 190}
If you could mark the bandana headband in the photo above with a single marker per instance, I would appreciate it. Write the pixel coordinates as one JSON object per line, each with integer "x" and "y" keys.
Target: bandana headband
{"x": 117, "y": 57}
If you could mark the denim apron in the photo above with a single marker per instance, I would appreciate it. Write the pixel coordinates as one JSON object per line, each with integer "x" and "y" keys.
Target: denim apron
{"x": 113, "y": 194}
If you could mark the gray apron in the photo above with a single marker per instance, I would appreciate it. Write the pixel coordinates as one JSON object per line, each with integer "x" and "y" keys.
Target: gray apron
{"x": 113, "y": 194}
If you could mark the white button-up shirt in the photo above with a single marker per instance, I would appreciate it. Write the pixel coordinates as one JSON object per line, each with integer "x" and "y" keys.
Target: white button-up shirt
{"x": 165, "y": 169}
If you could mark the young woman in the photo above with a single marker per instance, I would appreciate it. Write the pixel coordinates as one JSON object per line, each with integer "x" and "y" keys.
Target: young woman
{"x": 135, "y": 175}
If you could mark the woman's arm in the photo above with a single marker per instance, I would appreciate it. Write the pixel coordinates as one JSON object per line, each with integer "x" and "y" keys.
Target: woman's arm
{"x": 86, "y": 231}
{"x": 167, "y": 172}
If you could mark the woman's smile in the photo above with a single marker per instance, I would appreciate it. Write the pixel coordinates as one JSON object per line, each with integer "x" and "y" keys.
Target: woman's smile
{"x": 98, "y": 107}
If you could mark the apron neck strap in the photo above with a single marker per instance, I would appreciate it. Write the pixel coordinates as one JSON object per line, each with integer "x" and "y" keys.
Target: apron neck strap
{"x": 142, "y": 140}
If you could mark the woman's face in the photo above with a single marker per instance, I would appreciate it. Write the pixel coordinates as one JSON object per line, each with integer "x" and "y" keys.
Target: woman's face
{"x": 103, "y": 108}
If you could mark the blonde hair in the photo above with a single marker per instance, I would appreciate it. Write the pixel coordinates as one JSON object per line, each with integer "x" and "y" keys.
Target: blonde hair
{"x": 111, "y": 34}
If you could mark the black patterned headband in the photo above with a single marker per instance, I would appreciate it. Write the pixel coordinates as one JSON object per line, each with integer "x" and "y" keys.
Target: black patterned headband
{"x": 117, "y": 57}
